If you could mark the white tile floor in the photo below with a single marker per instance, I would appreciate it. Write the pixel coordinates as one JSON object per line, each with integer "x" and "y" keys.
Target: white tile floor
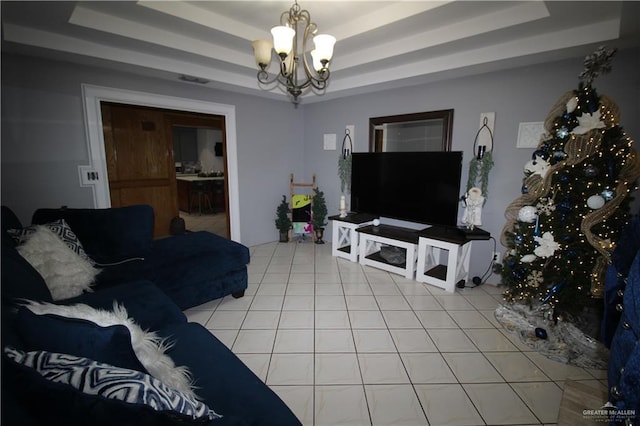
{"x": 343, "y": 344}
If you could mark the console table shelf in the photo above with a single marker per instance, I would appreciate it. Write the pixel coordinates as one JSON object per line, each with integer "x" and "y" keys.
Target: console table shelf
{"x": 435, "y": 242}
{"x": 372, "y": 238}
{"x": 344, "y": 238}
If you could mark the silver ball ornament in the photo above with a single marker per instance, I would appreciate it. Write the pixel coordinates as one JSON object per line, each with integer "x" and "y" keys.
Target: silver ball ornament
{"x": 527, "y": 214}
{"x": 595, "y": 202}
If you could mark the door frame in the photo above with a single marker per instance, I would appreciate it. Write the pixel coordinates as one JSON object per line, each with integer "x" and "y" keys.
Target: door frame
{"x": 93, "y": 95}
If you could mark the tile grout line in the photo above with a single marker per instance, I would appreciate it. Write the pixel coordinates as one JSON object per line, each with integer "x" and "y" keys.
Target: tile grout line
{"x": 350, "y": 275}
{"x": 275, "y": 337}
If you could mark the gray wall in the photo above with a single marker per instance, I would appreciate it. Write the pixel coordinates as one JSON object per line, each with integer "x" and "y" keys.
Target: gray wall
{"x": 518, "y": 95}
{"x": 43, "y": 138}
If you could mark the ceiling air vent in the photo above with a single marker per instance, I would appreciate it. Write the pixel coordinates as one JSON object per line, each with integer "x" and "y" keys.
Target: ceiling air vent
{"x": 192, "y": 79}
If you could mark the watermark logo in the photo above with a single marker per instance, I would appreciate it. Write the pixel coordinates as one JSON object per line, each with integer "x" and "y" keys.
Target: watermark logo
{"x": 609, "y": 413}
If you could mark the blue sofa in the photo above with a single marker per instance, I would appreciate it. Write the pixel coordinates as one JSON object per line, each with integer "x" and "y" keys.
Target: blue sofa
{"x": 191, "y": 269}
{"x": 621, "y": 326}
{"x": 154, "y": 280}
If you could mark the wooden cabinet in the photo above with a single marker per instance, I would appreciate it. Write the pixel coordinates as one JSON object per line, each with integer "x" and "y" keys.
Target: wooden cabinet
{"x": 183, "y": 195}
{"x": 218, "y": 196}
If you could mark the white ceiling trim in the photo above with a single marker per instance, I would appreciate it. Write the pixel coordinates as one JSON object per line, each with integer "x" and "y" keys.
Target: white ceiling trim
{"x": 49, "y": 40}
{"x": 588, "y": 34}
{"x": 192, "y": 13}
{"x": 381, "y": 43}
{"x": 584, "y": 35}
{"x": 366, "y": 21}
{"x": 105, "y": 22}
{"x": 516, "y": 15}
{"x": 369, "y": 21}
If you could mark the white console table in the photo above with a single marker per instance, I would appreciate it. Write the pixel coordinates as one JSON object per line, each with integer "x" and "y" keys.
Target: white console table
{"x": 433, "y": 243}
{"x": 344, "y": 238}
{"x": 437, "y": 256}
{"x": 373, "y": 237}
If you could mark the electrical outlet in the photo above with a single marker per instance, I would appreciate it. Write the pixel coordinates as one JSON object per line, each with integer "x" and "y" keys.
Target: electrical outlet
{"x": 496, "y": 256}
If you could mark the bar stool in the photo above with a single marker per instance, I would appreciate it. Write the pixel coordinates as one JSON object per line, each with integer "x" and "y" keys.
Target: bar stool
{"x": 201, "y": 191}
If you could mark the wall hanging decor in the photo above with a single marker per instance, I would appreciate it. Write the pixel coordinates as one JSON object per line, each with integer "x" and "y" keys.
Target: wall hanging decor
{"x": 478, "y": 181}
{"x": 344, "y": 162}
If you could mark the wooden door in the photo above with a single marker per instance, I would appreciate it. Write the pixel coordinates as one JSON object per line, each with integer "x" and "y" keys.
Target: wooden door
{"x": 140, "y": 162}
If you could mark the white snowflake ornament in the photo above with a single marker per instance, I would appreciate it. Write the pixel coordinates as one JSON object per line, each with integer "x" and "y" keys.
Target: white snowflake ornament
{"x": 546, "y": 206}
{"x": 534, "y": 279}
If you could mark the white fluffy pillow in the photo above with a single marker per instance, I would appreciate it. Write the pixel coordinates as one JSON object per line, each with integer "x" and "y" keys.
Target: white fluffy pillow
{"x": 65, "y": 273}
{"x": 148, "y": 347}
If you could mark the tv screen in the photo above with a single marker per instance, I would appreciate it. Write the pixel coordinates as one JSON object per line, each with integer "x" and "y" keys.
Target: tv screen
{"x": 421, "y": 187}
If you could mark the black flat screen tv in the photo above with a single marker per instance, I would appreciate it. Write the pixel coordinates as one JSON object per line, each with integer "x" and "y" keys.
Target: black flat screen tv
{"x": 422, "y": 187}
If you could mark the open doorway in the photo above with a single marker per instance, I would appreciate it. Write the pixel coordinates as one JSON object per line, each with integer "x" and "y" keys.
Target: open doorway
{"x": 201, "y": 178}
{"x": 141, "y": 145}
{"x": 94, "y": 95}
{"x": 199, "y": 153}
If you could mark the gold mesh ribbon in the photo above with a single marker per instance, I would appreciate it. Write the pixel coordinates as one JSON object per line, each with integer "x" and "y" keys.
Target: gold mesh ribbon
{"x": 537, "y": 187}
{"x": 597, "y": 278}
{"x": 628, "y": 175}
{"x": 578, "y": 148}
{"x": 610, "y": 115}
{"x": 609, "y": 111}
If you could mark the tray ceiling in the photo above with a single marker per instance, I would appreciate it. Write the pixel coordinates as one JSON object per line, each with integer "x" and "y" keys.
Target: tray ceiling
{"x": 380, "y": 44}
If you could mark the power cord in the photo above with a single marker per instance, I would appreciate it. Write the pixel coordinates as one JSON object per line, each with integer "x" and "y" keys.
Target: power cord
{"x": 478, "y": 281}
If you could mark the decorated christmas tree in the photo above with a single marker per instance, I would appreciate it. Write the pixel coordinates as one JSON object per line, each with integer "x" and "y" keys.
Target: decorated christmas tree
{"x": 561, "y": 231}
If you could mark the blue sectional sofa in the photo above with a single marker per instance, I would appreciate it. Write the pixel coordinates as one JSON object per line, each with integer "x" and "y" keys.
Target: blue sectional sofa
{"x": 154, "y": 280}
{"x": 191, "y": 269}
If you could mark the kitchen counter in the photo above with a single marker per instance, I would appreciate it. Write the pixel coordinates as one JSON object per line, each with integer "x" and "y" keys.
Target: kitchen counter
{"x": 190, "y": 198}
{"x": 196, "y": 178}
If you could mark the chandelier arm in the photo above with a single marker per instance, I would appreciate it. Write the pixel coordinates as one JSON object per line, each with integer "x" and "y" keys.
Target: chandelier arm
{"x": 285, "y": 17}
{"x": 263, "y": 77}
{"x": 321, "y": 83}
{"x": 283, "y": 68}
{"x": 309, "y": 30}
{"x": 316, "y": 83}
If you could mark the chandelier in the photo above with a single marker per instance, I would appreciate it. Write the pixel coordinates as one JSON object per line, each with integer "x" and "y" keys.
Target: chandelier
{"x": 285, "y": 43}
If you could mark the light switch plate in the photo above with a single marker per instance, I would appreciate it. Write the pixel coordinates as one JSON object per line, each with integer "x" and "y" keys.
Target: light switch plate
{"x": 88, "y": 175}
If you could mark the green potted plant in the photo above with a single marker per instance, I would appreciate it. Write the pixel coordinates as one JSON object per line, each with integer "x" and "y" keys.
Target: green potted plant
{"x": 318, "y": 214}
{"x": 283, "y": 222}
